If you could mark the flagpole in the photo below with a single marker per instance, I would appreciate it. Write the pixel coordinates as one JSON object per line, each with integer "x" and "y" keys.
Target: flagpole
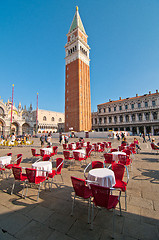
{"x": 11, "y": 107}
{"x": 37, "y": 114}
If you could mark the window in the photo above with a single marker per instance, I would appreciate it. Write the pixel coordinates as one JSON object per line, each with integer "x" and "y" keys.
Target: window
{"x": 100, "y": 120}
{"x": 60, "y": 119}
{"x": 147, "y": 116}
{"x": 126, "y": 107}
{"x": 44, "y": 118}
{"x": 109, "y": 109}
{"x": 140, "y": 116}
{"x": 99, "y": 110}
{"x": 105, "y": 120}
{"x": 104, "y": 110}
{"x": 95, "y": 121}
{"x": 127, "y": 118}
{"x": 155, "y": 115}
{"x": 132, "y": 106}
{"x": 139, "y": 105}
{"x": 52, "y": 119}
{"x": 110, "y": 119}
{"x": 114, "y": 109}
{"x": 121, "y": 118}
{"x": 153, "y": 103}
{"x": 133, "y": 117}
{"x": 120, "y": 108}
{"x": 115, "y": 119}
{"x": 146, "y": 104}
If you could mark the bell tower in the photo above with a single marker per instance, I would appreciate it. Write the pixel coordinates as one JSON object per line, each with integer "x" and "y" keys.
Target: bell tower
{"x": 77, "y": 78}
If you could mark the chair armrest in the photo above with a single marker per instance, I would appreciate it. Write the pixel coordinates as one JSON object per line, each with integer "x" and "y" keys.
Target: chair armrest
{"x": 127, "y": 174}
{"x": 60, "y": 165}
{"x": 86, "y": 169}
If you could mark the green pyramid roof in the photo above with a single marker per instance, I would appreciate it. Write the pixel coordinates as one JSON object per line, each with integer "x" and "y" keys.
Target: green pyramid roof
{"x": 77, "y": 22}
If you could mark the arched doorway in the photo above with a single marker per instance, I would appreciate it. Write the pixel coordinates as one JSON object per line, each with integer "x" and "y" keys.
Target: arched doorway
{"x": 14, "y": 128}
{"x": 26, "y": 128}
{"x": 1, "y": 128}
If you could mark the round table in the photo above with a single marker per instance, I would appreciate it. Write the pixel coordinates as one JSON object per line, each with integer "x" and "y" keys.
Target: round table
{"x": 5, "y": 160}
{"x": 103, "y": 176}
{"x": 42, "y": 165}
{"x": 115, "y": 155}
{"x": 47, "y": 150}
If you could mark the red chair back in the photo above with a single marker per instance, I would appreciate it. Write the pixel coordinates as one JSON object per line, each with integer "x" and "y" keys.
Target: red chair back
{"x": 46, "y": 158}
{"x": 122, "y": 159}
{"x": 88, "y": 144}
{"x": 101, "y": 195}
{"x": 9, "y": 154}
{"x": 118, "y": 170}
{"x": 31, "y": 175}
{"x": 42, "y": 152}
{"x": 109, "y": 144}
{"x": 19, "y": 159}
{"x": 153, "y": 147}
{"x": 33, "y": 152}
{"x": 132, "y": 145}
{"x": 64, "y": 146}
{"x": 127, "y": 151}
{"x": 97, "y": 164}
{"x": 70, "y": 146}
{"x": 55, "y": 148}
{"x": 17, "y": 172}
{"x": 108, "y": 158}
{"x": 121, "y": 148}
{"x": 88, "y": 151}
{"x": 79, "y": 186}
{"x": 66, "y": 154}
{"x": 58, "y": 166}
{"x": 76, "y": 155}
{"x": 113, "y": 150}
{"x": 123, "y": 144}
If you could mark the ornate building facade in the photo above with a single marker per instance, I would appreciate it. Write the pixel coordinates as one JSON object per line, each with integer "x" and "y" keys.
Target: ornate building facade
{"x": 77, "y": 78}
{"x": 138, "y": 114}
{"x": 24, "y": 120}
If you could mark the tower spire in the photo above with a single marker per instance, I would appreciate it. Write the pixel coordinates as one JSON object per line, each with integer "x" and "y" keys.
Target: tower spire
{"x": 77, "y": 22}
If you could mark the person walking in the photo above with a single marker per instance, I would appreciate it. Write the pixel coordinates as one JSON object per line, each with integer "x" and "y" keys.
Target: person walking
{"x": 144, "y": 139}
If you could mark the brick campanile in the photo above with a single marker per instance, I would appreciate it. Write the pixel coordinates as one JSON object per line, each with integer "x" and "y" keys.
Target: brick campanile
{"x": 77, "y": 78}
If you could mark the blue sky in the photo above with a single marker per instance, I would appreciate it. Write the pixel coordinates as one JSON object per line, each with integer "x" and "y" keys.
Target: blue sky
{"x": 123, "y": 36}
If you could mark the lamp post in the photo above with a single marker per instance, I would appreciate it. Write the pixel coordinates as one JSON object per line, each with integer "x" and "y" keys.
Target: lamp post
{"x": 11, "y": 107}
{"x": 37, "y": 114}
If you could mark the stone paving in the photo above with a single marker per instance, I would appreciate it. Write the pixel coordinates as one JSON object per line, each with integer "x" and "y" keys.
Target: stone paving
{"x": 50, "y": 218}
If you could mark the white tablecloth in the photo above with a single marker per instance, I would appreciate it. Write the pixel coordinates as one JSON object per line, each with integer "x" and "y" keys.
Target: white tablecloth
{"x": 115, "y": 155}
{"x": 73, "y": 145}
{"x": 43, "y": 165}
{"x": 47, "y": 150}
{"x": 104, "y": 176}
{"x": 5, "y": 160}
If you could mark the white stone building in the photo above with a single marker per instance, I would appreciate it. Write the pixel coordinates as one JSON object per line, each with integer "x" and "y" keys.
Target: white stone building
{"x": 138, "y": 114}
{"x": 24, "y": 121}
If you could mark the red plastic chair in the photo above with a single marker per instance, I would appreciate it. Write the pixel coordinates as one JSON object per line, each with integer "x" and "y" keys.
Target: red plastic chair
{"x": 55, "y": 149}
{"x": 34, "y": 179}
{"x": 113, "y": 150}
{"x": 9, "y": 154}
{"x": 79, "y": 157}
{"x": 124, "y": 159}
{"x": 119, "y": 170}
{"x": 123, "y": 144}
{"x": 93, "y": 165}
{"x": 70, "y": 147}
{"x": 34, "y": 153}
{"x": 153, "y": 147}
{"x": 81, "y": 191}
{"x": 65, "y": 146}
{"x": 46, "y": 157}
{"x": 121, "y": 148}
{"x": 108, "y": 159}
{"x": 57, "y": 171}
{"x": 18, "y": 176}
{"x": 127, "y": 151}
{"x": 67, "y": 156}
{"x": 42, "y": 152}
{"x": 103, "y": 198}
{"x": 109, "y": 144}
{"x": 18, "y": 161}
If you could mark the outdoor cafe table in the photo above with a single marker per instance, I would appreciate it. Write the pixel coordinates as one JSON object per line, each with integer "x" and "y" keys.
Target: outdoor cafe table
{"x": 103, "y": 176}
{"x": 42, "y": 165}
{"x": 5, "y": 160}
{"x": 47, "y": 150}
{"x": 115, "y": 155}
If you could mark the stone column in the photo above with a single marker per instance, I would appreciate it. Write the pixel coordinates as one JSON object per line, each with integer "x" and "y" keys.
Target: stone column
{"x": 137, "y": 128}
{"x": 20, "y": 130}
{"x": 152, "y": 131}
{"x": 145, "y": 130}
